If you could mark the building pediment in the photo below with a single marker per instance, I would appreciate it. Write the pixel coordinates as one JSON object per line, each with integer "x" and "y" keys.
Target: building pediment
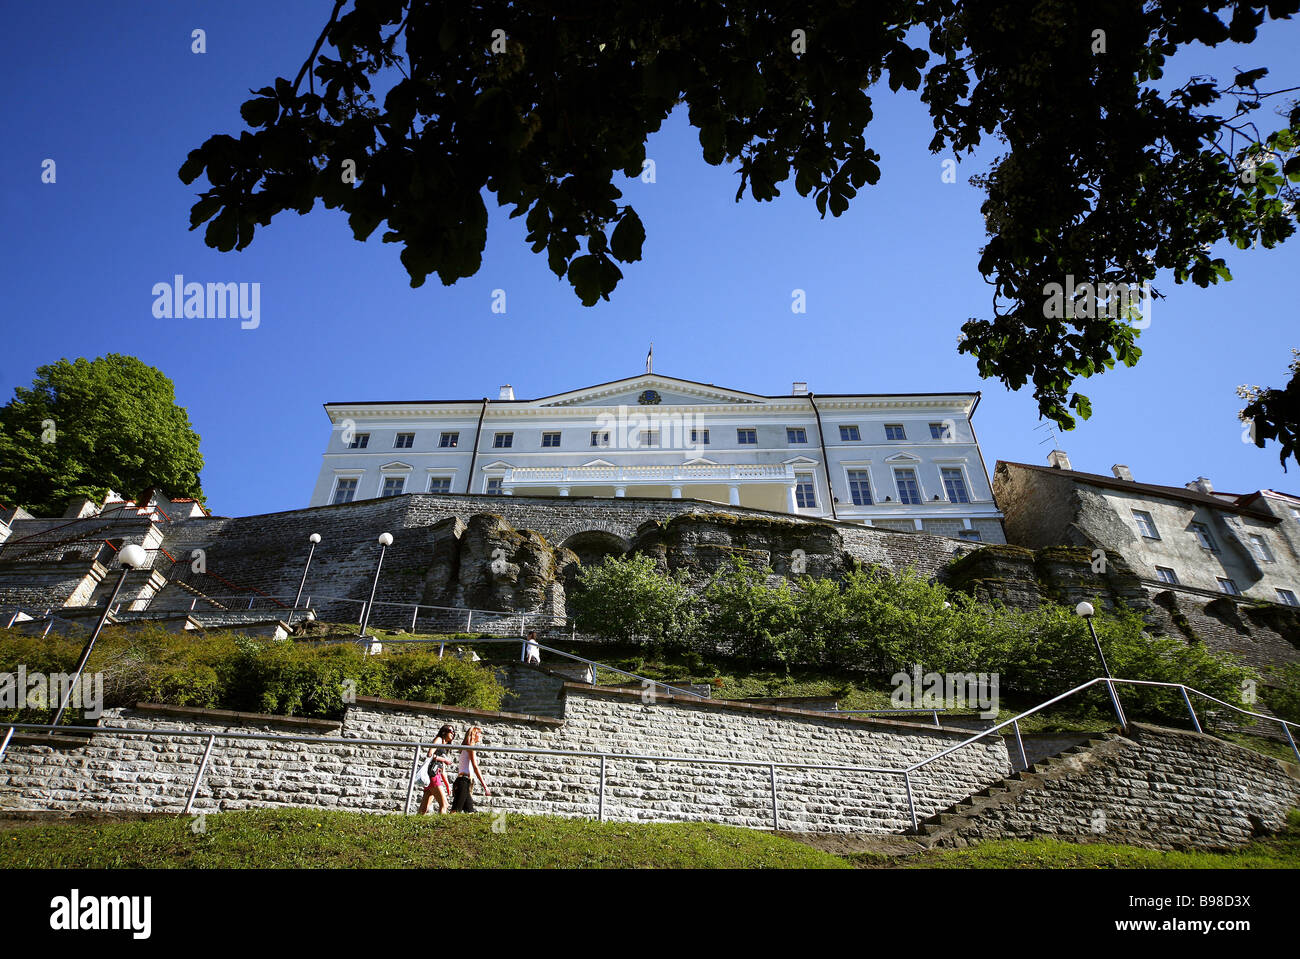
{"x": 902, "y": 458}
{"x": 395, "y": 467}
{"x": 650, "y": 390}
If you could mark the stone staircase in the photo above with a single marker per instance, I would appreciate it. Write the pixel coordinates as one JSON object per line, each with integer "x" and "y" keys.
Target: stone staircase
{"x": 942, "y": 828}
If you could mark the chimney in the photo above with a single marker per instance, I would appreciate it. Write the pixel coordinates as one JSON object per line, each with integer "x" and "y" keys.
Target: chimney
{"x": 799, "y": 387}
{"x": 1058, "y": 460}
{"x": 1201, "y": 485}
{"x": 1122, "y": 472}
{"x": 507, "y": 392}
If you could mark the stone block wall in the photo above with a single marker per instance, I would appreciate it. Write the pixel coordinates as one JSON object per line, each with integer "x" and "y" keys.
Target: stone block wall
{"x": 116, "y": 773}
{"x": 1154, "y": 787}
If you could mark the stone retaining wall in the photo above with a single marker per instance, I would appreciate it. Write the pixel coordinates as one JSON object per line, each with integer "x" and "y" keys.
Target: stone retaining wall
{"x": 116, "y": 773}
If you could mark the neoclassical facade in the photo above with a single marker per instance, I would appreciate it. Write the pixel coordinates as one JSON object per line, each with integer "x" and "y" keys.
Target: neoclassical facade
{"x": 907, "y": 461}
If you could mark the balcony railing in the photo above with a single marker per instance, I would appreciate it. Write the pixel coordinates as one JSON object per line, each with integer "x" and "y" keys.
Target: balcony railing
{"x": 667, "y": 474}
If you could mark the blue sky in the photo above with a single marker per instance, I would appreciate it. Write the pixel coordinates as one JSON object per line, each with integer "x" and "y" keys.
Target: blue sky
{"x": 114, "y": 95}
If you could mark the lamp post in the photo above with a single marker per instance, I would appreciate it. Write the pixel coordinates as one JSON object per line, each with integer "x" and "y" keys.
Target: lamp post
{"x": 131, "y": 557}
{"x": 385, "y": 541}
{"x": 1086, "y": 611}
{"x": 314, "y": 538}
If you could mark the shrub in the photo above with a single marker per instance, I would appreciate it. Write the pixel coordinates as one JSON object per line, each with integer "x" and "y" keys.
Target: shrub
{"x": 628, "y": 598}
{"x": 251, "y": 675}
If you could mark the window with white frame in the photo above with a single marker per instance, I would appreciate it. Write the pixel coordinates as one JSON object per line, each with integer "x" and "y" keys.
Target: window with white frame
{"x": 1228, "y": 586}
{"x": 860, "y": 487}
{"x": 1260, "y": 548}
{"x": 550, "y": 440}
{"x": 1287, "y": 597}
{"x": 805, "y": 491}
{"x": 954, "y": 484}
{"x": 940, "y": 431}
{"x": 796, "y": 434}
{"x": 648, "y": 439}
{"x": 494, "y": 484}
{"x": 394, "y": 486}
{"x": 1203, "y": 537}
{"x": 359, "y": 441}
{"x": 503, "y": 441}
{"x": 439, "y": 484}
{"x": 599, "y": 437}
{"x": 403, "y": 441}
{"x": 1146, "y": 524}
{"x": 971, "y": 534}
{"x": 345, "y": 490}
{"x": 699, "y": 437}
{"x": 746, "y": 437}
{"x": 1166, "y": 575}
{"x": 895, "y": 431}
{"x": 850, "y": 434}
{"x": 449, "y": 440}
{"x": 909, "y": 490}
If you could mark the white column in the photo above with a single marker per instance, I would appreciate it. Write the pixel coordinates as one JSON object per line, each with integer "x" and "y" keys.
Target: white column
{"x": 920, "y": 525}
{"x": 564, "y": 491}
{"x": 620, "y": 490}
{"x": 733, "y": 495}
{"x": 677, "y": 492}
{"x": 791, "y": 504}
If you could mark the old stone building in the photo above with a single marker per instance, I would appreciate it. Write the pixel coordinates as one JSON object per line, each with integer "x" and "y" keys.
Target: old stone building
{"x": 1187, "y": 537}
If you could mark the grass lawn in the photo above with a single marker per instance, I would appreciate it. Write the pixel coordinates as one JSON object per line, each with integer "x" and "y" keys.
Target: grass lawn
{"x": 302, "y": 838}
{"x": 314, "y": 839}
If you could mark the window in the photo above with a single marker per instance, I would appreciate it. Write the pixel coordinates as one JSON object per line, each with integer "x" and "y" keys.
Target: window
{"x": 449, "y": 440}
{"x": 345, "y": 491}
{"x": 1202, "y": 534}
{"x": 394, "y": 486}
{"x": 954, "y": 484}
{"x": 503, "y": 441}
{"x": 940, "y": 431}
{"x": 439, "y": 484}
{"x": 909, "y": 491}
{"x": 599, "y": 438}
{"x": 1287, "y": 597}
{"x": 550, "y": 440}
{"x": 359, "y": 441}
{"x": 1228, "y": 586}
{"x": 1166, "y": 575}
{"x": 648, "y": 439}
{"x": 895, "y": 431}
{"x": 746, "y": 437}
{"x": 494, "y": 485}
{"x": 699, "y": 437}
{"x": 850, "y": 434}
{"x": 796, "y": 435}
{"x": 1146, "y": 525}
{"x": 1261, "y": 548}
{"x": 860, "y": 487}
{"x": 971, "y": 534}
{"x": 404, "y": 441}
{"x": 805, "y": 492}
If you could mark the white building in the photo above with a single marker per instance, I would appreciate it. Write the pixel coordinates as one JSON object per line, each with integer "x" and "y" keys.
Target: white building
{"x": 906, "y": 461}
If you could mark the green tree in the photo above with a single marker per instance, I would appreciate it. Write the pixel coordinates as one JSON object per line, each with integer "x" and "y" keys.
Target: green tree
{"x": 1109, "y": 171}
{"x": 88, "y": 426}
{"x": 629, "y": 598}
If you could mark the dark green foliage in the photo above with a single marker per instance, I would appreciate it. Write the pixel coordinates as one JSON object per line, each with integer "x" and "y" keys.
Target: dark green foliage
{"x": 881, "y": 624}
{"x": 251, "y": 675}
{"x": 88, "y": 426}
{"x": 1109, "y": 173}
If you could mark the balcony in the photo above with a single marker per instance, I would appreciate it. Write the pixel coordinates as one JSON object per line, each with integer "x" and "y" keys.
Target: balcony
{"x": 675, "y": 475}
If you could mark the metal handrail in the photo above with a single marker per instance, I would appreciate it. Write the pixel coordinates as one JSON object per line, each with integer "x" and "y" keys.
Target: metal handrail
{"x": 422, "y": 744}
{"x": 1014, "y": 721}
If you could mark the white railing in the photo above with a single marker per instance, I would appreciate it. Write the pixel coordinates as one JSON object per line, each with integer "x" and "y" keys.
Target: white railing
{"x": 660, "y": 474}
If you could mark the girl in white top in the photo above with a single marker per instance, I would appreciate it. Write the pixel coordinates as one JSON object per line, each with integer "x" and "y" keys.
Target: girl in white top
{"x": 461, "y": 791}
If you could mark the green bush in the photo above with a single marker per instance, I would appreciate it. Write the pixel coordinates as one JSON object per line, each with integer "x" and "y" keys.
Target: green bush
{"x": 250, "y": 675}
{"x": 628, "y": 598}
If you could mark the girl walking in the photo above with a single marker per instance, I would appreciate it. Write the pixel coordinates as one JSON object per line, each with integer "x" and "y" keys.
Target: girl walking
{"x": 462, "y": 799}
{"x": 439, "y": 766}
